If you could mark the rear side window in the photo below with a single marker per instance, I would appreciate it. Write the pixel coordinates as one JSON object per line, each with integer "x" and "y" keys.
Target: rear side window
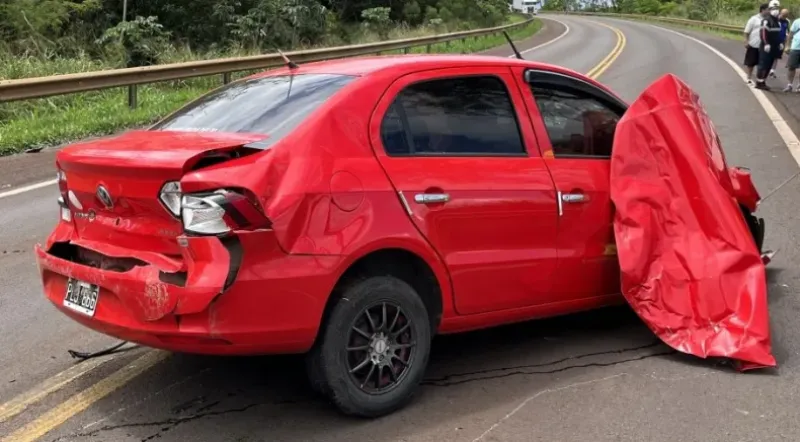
{"x": 453, "y": 116}
{"x": 269, "y": 105}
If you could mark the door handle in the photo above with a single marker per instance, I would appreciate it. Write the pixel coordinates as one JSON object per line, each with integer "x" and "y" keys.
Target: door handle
{"x": 431, "y": 198}
{"x": 571, "y": 198}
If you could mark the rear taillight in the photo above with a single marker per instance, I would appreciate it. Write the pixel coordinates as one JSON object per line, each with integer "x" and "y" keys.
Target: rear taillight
{"x": 170, "y": 197}
{"x": 63, "y": 206}
{"x": 221, "y": 212}
{"x": 62, "y": 181}
{"x": 66, "y": 214}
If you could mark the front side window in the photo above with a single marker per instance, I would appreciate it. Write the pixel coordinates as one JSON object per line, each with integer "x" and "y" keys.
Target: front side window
{"x": 577, "y": 124}
{"x": 272, "y": 105}
{"x": 453, "y": 116}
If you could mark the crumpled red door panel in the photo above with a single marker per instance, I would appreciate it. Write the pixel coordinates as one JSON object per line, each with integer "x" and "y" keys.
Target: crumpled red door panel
{"x": 690, "y": 268}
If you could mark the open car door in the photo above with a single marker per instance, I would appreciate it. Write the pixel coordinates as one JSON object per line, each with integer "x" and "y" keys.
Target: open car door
{"x": 690, "y": 266}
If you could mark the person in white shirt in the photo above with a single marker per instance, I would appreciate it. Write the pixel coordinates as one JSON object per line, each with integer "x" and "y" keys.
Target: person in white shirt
{"x": 752, "y": 40}
{"x": 794, "y": 55}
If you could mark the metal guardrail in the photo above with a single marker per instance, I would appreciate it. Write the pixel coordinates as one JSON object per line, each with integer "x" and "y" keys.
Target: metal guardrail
{"x": 668, "y": 20}
{"x": 27, "y": 88}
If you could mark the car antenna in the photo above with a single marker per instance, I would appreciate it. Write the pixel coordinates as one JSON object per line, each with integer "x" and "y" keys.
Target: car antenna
{"x": 292, "y": 65}
{"x": 513, "y": 46}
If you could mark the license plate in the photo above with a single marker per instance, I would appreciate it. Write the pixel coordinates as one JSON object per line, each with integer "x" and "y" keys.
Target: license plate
{"x": 81, "y": 297}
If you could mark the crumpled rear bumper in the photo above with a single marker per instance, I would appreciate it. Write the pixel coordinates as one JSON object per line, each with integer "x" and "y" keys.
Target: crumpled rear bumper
{"x": 143, "y": 290}
{"x": 248, "y": 299}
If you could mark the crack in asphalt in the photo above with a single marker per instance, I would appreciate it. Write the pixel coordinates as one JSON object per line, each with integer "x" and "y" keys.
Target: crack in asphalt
{"x": 780, "y": 186}
{"x": 557, "y": 370}
{"x": 203, "y": 412}
{"x": 170, "y": 423}
{"x": 546, "y": 364}
{"x": 502, "y": 372}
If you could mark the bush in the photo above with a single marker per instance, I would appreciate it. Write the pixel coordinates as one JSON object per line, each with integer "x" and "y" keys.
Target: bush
{"x": 378, "y": 20}
{"x": 139, "y": 42}
{"x": 412, "y": 13}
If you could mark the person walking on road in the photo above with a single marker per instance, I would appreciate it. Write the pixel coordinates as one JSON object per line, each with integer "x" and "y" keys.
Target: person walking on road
{"x": 783, "y": 19}
{"x": 770, "y": 44}
{"x": 794, "y": 54}
{"x": 752, "y": 40}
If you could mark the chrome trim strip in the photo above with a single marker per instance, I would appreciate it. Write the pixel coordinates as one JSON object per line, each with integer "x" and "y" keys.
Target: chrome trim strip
{"x": 560, "y": 206}
{"x": 404, "y": 201}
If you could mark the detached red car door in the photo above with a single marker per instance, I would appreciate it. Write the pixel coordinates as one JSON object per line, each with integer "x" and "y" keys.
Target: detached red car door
{"x": 467, "y": 169}
{"x": 575, "y": 123}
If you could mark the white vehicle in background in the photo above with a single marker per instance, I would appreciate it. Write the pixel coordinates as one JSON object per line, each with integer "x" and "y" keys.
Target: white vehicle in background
{"x": 526, "y": 6}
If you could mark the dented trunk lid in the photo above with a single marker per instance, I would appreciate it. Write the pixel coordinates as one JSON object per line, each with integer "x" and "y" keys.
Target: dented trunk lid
{"x": 131, "y": 169}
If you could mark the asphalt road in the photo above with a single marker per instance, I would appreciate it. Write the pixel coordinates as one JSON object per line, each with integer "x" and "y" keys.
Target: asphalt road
{"x": 594, "y": 377}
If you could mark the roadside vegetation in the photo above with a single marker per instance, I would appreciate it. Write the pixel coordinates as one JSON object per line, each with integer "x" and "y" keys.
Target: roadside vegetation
{"x": 731, "y": 12}
{"x": 49, "y": 37}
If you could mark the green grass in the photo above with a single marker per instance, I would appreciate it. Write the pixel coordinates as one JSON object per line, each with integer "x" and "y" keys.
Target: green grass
{"x": 723, "y": 34}
{"x": 50, "y": 121}
{"x": 725, "y": 20}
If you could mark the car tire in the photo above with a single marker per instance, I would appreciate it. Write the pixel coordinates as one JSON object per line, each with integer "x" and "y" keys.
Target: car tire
{"x": 375, "y": 370}
{"x": 316, "y": 378}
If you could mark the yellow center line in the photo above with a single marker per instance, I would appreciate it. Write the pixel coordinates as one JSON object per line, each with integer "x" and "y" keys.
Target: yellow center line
{"x": 83, "y": 400}
{"x": 606, "y": 62}
{"x": 52, "y": 384}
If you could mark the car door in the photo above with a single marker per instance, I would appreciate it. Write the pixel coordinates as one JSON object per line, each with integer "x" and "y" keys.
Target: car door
{"x": 471, "y": 178}
{"x": 575, "y": 121}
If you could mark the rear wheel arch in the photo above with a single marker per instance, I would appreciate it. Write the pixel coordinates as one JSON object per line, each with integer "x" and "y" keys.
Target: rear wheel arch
{"x": 403, "y": 264}
{"x": 375, "y": 268}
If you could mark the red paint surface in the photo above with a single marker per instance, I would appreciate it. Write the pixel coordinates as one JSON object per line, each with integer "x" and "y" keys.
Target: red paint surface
{"x": 497, "y": 235}
{"x": 498, "y": 249}
{"x": 690, "y": 268}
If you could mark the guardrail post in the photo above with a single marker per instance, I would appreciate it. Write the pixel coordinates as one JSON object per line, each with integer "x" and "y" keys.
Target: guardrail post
{"x": 427, "y": 49}
{"x": 132, "y": 96}
{"x": 226, "y": 78}
{"x": 405, "y": 51}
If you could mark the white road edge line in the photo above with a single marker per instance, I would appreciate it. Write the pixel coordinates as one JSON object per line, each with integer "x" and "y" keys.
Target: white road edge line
{"x": 27, "y": 188}
{"x": 560, "y": 36}
{"x": 36, "y": 186}
{"x": 540, "y": 393}
{"x": 786, "y": 133}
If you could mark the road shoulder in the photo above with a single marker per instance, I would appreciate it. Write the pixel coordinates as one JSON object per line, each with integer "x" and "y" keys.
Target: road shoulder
{"x": 787, "y": 104}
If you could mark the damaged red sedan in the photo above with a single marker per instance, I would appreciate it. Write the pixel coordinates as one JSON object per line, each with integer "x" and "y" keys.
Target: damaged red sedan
{"x": 350, "y": 210}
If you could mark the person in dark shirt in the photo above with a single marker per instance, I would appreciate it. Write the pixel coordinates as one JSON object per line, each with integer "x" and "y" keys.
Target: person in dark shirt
{"x": 752, "y": 40}
{"x": 770, "y": 44}
{"x": 783, "y": 19}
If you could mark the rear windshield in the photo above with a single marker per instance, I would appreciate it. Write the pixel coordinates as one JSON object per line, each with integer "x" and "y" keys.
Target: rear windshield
{"x": 267, "y": 105}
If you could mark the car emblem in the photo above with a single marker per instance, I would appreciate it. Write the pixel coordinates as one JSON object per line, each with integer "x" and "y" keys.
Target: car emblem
{"x": 104, "y": 197}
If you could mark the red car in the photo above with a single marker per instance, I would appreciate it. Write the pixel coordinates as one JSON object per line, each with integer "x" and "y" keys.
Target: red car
{"x": 350, "y": 210}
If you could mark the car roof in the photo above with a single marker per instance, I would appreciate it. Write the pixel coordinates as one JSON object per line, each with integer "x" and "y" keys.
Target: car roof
{"x": 399, "y": 65}
{"x": 363, "y": 66}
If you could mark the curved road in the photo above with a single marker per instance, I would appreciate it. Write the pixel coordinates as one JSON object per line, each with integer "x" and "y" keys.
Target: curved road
{"x": 593, "y": 377}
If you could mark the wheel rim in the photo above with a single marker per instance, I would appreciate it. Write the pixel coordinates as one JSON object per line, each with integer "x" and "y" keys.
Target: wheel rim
{"x": 381, "y": 347}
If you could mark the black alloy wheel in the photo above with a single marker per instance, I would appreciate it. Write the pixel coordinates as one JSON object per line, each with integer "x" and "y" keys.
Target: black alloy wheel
{"x": 381, "y": 347}
{"x": 373, "y": 349}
